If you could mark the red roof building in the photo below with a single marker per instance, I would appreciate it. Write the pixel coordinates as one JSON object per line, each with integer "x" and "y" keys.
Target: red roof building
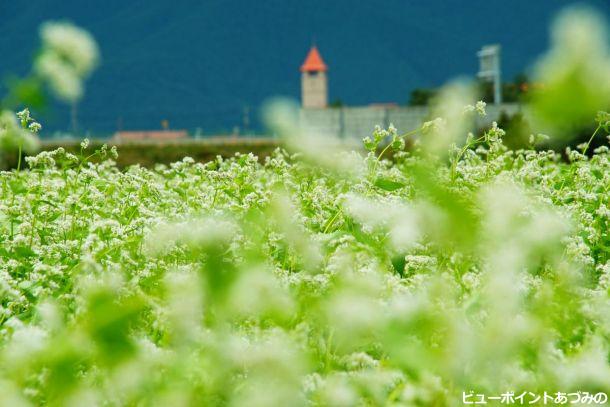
{"x": 314, "y": 62}
{"x": 314, "y": 86}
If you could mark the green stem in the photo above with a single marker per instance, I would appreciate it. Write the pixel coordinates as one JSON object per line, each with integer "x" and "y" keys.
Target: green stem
{"x": 328, "y": 354}
{"x": 19, "y": 158}
{"x": 83, "y": 161}
{"x": 332, "y": 220}
{"x": 462, "y": 152}
{"x": 584, "y": 151}
{"x": 382, "y": 152}
{"x": 390, "y": 144}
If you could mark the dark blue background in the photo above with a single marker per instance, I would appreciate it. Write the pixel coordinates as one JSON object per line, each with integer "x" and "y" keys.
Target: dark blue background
{"x": 199, "y": 63}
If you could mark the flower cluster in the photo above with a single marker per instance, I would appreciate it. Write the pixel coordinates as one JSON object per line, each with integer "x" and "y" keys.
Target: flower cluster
{"x": 207, "y": 283}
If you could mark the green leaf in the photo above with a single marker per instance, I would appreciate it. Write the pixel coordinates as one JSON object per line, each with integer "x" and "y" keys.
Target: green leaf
{"x": 388, "y": 184}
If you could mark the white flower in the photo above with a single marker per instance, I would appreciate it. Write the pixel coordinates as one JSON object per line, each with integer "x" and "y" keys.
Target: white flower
{"x": 35, "y": 127}
{"x": 68, "y": 56}
{"x": 72, "y": 44}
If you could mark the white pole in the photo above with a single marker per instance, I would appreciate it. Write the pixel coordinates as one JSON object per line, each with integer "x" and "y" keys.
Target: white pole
{"x": 497, "y": 78}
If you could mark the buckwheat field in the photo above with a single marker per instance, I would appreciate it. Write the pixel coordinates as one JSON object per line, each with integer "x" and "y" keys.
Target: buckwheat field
{"x": 384, "y": 275}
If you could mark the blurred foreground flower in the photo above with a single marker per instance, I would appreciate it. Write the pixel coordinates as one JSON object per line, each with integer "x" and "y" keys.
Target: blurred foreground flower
{"x": 451, "y": 119}
{"x": 282, "y": 117}
{"x": 574, "y": 73}
{"x": 69, "y": 54}
{"x": 13, "y": 136}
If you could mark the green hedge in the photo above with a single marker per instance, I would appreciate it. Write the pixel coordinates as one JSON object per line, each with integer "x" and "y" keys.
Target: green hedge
{"x": 149, "y": 153}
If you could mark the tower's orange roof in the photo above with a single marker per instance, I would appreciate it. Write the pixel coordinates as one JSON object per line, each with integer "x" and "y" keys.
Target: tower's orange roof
{"x": 314, "y": 62}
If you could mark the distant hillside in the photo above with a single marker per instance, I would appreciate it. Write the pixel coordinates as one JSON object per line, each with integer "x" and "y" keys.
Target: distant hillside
{"x": 201, "y": 63}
